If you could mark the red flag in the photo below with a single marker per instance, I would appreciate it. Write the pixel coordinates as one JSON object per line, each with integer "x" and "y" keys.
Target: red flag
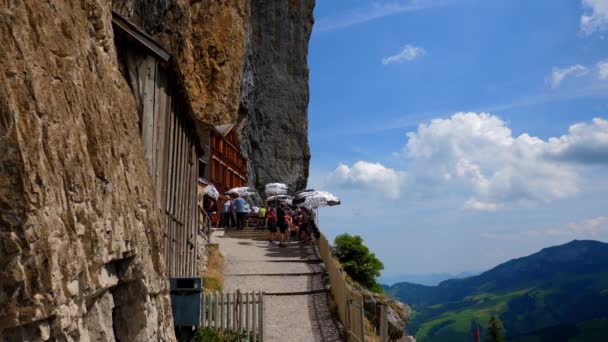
{"x": 477, "y": 335}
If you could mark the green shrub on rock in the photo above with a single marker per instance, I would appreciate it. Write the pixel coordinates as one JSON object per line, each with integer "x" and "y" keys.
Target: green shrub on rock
{"x": 357, "y": 261}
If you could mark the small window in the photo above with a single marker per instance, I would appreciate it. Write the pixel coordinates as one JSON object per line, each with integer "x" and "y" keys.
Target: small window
{"x": 202, "y": 168}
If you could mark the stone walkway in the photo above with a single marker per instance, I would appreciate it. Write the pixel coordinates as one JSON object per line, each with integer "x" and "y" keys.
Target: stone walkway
{"x": 296, "y": 306}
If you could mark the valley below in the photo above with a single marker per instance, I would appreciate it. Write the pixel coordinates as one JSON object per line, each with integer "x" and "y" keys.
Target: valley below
{"x": 557, "y": 294}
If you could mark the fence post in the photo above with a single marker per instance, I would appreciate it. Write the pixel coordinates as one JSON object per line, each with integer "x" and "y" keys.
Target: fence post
{"x": 254, "y": 321}
{"x": 209, "y": 313}
{"x": 216, "y": 309}
{"x": 261, "y": 316}
{"x": 383, "y": 323}
{"x": 221, "y": 303}
{"x": 347, "y": 323}
{"x": 233, "y": 312}
{"x": 239, "y": 326}
{"x": 247, "y": 313}
{"x": 235, "y": 308}
{"x": 229, "y": 312}
{"x": 203, "y": 308}
{"x": 362, "y": 322}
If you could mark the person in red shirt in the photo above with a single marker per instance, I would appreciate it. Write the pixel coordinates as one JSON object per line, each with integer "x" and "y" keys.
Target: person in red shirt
{"x": 304, "y": 222}
{"x": 272, "y": 223}
{"x": 290, "y": 226}
{"x": 282, "y": 223}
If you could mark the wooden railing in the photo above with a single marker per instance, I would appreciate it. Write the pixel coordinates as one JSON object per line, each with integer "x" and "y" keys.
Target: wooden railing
{"x": 348, "y": 300}
{"x": 237, "y": 311}
{"x": 204, "y": 223}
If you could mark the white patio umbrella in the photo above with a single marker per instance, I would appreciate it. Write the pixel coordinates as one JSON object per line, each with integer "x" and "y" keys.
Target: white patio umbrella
{"x": 274, "y": 189}
{"x": 242, "y": 191}
{"x": 280, "y": 198}
{"x": 250, "y": 195}
{"x": 211, "y": 191}
{"x": 314, "y": 199}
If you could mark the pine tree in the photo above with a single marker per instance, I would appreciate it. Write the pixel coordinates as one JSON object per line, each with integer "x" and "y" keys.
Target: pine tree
{"x": 494, "y": 331}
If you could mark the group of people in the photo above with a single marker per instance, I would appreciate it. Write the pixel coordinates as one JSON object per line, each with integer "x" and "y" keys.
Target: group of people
{"x": 288, "y": 221}
{"x": 234, "y": 212}
{"x": 281, "y": 218}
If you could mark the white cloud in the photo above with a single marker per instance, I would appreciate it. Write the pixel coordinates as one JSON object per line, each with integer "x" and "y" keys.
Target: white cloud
{"x": 500, "y": 236}
{"x": 595, "y": 17}
{"x": 409, "y": 53}
{"x": 480, "y": 206}
{"x": 369, "y": 176}
{"x": 602, "y": 68}
{"x": 475, "y": 156}
{"x": 478, "y": 152}
{"x": 588, "y": 87}
{"x": 592, "y": 227}
{"x": 585, "y": 143}
{"x": 558, "y": 75}
{"x": 375, "y": 11}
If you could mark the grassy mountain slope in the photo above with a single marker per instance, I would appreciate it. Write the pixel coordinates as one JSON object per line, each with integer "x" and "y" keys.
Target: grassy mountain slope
{"x": 561, "y": 290}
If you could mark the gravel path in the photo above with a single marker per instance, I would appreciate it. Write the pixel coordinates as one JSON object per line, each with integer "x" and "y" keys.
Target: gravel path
{"x": 253, "y": 265}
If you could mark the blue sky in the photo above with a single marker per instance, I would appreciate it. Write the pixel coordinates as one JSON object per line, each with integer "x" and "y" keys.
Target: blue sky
{"x": 460, "y": 133}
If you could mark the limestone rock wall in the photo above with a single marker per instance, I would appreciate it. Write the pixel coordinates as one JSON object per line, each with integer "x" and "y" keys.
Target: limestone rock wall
{"x": 80, "y": 236}
{"x": 242, "y": 61}
{"x": 398, "y": 315}
{"x": 207, "y": 40}
{"x": 273, "y": 113}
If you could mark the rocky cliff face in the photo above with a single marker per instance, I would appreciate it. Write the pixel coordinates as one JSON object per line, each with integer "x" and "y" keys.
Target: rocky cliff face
{"x": 273, "y": 113}
{"x": 207, "y": 41}
{"x": 80, "y": 249}
{"x": 256, "y": 47}
{"x": 398, "y": 315}
{"x": 80, "y": 237}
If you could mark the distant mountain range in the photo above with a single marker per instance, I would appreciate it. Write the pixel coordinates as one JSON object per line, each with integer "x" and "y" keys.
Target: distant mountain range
{"x": 429, "y": 279}
{"x": 557, "y": 294}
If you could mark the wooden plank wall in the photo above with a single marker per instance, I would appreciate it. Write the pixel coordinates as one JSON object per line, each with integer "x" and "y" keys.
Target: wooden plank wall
{"x": 170, "y": 149}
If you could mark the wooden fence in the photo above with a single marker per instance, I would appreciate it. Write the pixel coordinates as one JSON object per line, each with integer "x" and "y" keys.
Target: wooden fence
{"x": 348, "y": 300}
{"x": 236, "y": 311}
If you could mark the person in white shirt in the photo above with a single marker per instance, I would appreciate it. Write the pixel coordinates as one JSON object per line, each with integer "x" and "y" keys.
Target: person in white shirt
{"x": 227, "y": 213}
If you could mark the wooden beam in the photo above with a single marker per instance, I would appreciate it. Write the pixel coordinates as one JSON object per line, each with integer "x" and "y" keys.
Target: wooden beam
{"x": 147, "y": 76}
{"x": 182, "y": 192}
{"x": 172, "y": 194}
{"x": 187, "y": 192}
{"x": 196, "y": 270}
{"x": 191, "y": 212}
{"x": 140, "y": 36}
{"x": 160, "y": 123}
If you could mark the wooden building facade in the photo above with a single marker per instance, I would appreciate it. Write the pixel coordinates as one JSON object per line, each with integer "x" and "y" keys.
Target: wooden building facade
{"x": 227, "y": 166}
{"x": 172, "y": 147}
